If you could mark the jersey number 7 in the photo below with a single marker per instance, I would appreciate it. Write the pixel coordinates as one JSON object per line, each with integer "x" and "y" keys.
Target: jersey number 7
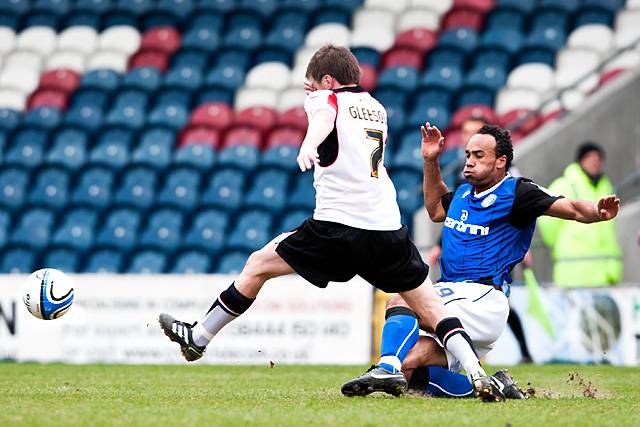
{"x": 376, "y": 154}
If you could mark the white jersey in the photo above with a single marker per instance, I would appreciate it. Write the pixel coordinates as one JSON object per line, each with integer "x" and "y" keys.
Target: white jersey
{"x": 351, "y": 182}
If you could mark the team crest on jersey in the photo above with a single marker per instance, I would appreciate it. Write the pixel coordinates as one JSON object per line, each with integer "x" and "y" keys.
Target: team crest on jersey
{"x": 488, "y": 201}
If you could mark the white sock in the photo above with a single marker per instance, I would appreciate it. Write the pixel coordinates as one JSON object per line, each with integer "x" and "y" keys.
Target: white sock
{"x": 460, "y": 348}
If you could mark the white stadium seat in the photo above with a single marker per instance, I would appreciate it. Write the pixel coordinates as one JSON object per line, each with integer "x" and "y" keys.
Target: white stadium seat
{"x": 255, "y": 97}
{"x": 373, "y": 18}
{"x": 24, "y": 80}
{"x": 303, "y": 56}
{"x": 567, "y": 77}
{"x": 418, "y": 18}
{"x": 535, "y": 76}
{"x": 624, "y": 60}
{"x": 12, "y": 98}
{"x": 632, "y": 4}
{"x": 395, "y": 6}
{"x": 337, "y": 34}
{"x": 440, "y": 6}
{"x": 24, "y": 59}
{"x": 380, "y": 39}
{"x": 81, "y": 38}
{"x": 293, "y": 96}
{"x": 39, "y": 39}
{"x": 111, "y": 59}
{"x": 583, "y": 58}
{"x": 7, "y": 40}
{"x": 597, "y": 37}
{"x": 627, "y": 37}
{"x": 70, "y": 59}
{"x": 574, "y": 64}
{"x": 298, "y": 75}
{"x": 511, "y": 99}
{"x": 121, "y": 37}
{"x": 272, "y": 75}
{"x": 572, "y": 99}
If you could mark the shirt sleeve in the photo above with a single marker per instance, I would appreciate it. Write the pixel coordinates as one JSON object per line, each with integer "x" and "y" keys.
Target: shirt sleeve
{"x": 446, "y": 201}
{"x": 531, "y": 201}
{"x": 320, "y": 100}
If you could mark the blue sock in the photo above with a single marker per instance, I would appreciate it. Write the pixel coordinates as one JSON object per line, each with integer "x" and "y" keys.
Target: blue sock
{"x": 399, "y": 335}
{"x": 444, "y": 383}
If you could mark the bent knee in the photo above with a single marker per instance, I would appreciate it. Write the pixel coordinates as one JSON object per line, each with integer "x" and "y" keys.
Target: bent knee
{"x": 396, "y": 301}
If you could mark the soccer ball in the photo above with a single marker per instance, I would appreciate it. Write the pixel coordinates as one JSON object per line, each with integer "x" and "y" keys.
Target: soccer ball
{"x": 48, "y": 293}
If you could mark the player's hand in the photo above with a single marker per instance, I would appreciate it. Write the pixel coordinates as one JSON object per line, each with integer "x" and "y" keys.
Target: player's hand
{"x": 608, "y": 207}
{"x": 307, "y": 156}
{"x": 308, "y": 87}
{"x": 432, "y": 142}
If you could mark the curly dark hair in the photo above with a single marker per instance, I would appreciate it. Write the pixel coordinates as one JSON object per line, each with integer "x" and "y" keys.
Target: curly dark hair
{"x": 504, "y": 147}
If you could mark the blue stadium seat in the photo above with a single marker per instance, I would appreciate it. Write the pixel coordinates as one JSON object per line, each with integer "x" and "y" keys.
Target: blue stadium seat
{"x": 463, "y": 39}
{"x": 43, "y": 117}
{"x": 234, "y": 58}
{"x": 243, "y": 33}
{"x": 292, "y": 220}
{"x": 115, "y": 17}
{"x": 5, "y": 227}
{"x": 112, "y": 148}
{"x": 136, "y": 7}
{"x": 148, "y": 262}
{"x": 13, "y": 185}
{"x": 269, "y": 53}
{"x": 287, "y": 32}
{"x": 550, "y": 38}
{"x": 593, "y": 15}
{"x": 409, "y": 153}
{"x": 281, "y": 156}
{"x": 403, "y": 78}
{"x": 97, "y": 6}
{"x": 408, "y": 189}
{"x": 492, "y": 57}
{"x": 77, "y": 229}
{"x": 550, "y": 17}
{"x": 367, "y": 55}
{"x": 251, "y": 232}
{"x": 525, "y": 6}
{"x": 568, "y": 5}
{"x": 508, "y": 39}
{"x": 120, "y": 229}
{"x": 87, "y": 117}
{"x": 181, "y": 9}
{"x": 191, "y": 58}
{"x": 232, "y": 262}
{"x": 242, "y": 156}
{"x": 183, "y": 77}
{"x": 269, "y": 190}
{"x": 303, "y": 195}
{"x": 64, "y": 259}
{"x": 226, "y": 76}
{"x": 451, "y": 156}
{"x": 10, "y": 20}
{"x": 173, "y": 96}
{"x": 104, "y": 261}
{"x": 192, "y": 262}
{"x": 17, "y": 261}
{"x": 489, "y": 77}
{"x": 51, "y": 188}
{"x": 9, "y": 119}
{"x": 396, "y": 118}
{"x": 443, "y": 76}
{"x": 27, "y": 148}
{"x": 435, "y": 114}
{"x": 181, "y": 188}
{"x": 147, "y": 79}
{"x": 264, "y": 8}
{"x": 506, "y": 18}
{"x": 537, "y": 54}
{"x": 199, "y": 156}
{"x": 206, "y": 19}
{"x": 171, "y": 115}
{"x": 437, "y": 96}
{"x": 158, "y": 18}
{"x": 208, "y": 231}
{"x": 90, "y": 97}
{"x": 451, "y": 57}
{"x": 137, "y": 187}
{"x": 104, "y": 79}
{"x": 204, "y": 38}
{"x": 129, "y": 109}
{"x": 608, "y": 5}
{"x": 225, "y": 189}
{"x": 163, "y": 230}
{"x": 41, "y": 19}
{"x": 391, "y": 96}
{"x": 216, "y": 94}
{"x": 69, "y": 148}
{"x": 154, "y": 148}
{"x": 33, "y": 228}
{"x": 94, "y": 187}
{"x": 332, "y": 16}
{"x": 470, "y": 95}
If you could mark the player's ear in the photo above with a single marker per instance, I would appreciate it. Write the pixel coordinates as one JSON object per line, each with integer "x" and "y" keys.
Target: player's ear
{"x": 327, "y": 81}
{"x": 501, "y": 162}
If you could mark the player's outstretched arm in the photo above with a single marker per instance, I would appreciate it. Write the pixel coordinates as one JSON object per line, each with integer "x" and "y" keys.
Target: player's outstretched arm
{"x": 320, "y": 126}
{"x": 582, "y": 211}
{"x": 433, "y": 185}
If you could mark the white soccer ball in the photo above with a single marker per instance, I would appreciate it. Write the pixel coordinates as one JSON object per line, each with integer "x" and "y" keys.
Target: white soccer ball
{"x": 48, "y": 293}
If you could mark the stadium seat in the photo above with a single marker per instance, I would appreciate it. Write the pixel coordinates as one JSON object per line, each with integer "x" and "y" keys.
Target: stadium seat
{"x": 446, "y": 56}
{"x": 409, "y": 153}
{"x": 61, "y": 79}
{"x": 150, "y": 59}
{"x": 282, "y": 148}
{"x": 204, "y": 36}
{"x": 148, "y": 262}
{"x": 163, "y": 230}
{"x": 183, "y": 77}
{"x": 522, "y": 121}
{"x": 47, "y": 98}
{"x": 303, "y": 194}
{"x": 214, "y": 115}
{"x": 192, "y": 262}
{"x": 121, "y": 37}
{"x": 444, "y": 76}
{"x": 251, "y": 232}
{"x": 538, "y": 77}
{"x": 463, "y": 17}
{"x": 103, "y": 261}
{"x": 46, "y": 118}
{"x": 200, "y": 135}
{"x": 402, "y": 78}
{"x": 69, "y": 59}
{"x": 40, "y": 39}
{"x": 474, "y": 94}
{"x": 232, "y": 262}
{"x": 292, "y": 220}
{"x": 17, "y": 261}
{"x": 27, "y": 148}
{"x": 243, "y": 156}
{"x": 163, "y": 38}
{"x": 596, "y": 37}
{"x": 68, "y": 148}
{"x": 227, "y": 76}
{"x": 120, "y": 229}
{"x": 550, "y": 17}
{"x": 181, "y": 189}
{"x": 273, "y": 75}
{"x": 402, "y": 57}
{"x": 77, "y": 229}
{"x": 50, "y": 188}
{"x": 294, "y": 117}
{"x": 417, "y": 39}
{"x": 260, "y": 118}
{"x": 463, "y": 39}
{"x": 321, "y": 33}
{"x": 473, "y": 111}
{"x": 13, "y": 99}
{"x": 408, "y": 189}
{"x": 61, "y": 258}
{"x": 511, "y": 99}
{"x": 106, "y": 80}
{"x": 368, "y": 80}
{"x": 269, "y": 190}
{"x": 81, "y": 38}
{"x": 225, "y": 189}
{"x": 33, "y": 228}
{"x": 435, "y": 114}
{"x": 174, "y": 116}
{"x": 9, "y": 119}
{"x": 137, "y": 187}
{"x": 155, "y": 147}
{"x": 587, "y": 15}
{"x": 19, "y": 78}
{"x": 5, "y": 227}
{"x": 7, "y": 39}
{"x": 505, "y": 39}
{"x": 255, "y": 97}
{"x": 147, "y": 79}
{"x": 112, "y": 148}
{"x": 208, "y": 231}
{"x": 106, "y": 59}
{"x": 196, "y": 155}
{"x": 94, "y": 187}
{"x": 486, "y": 76}
{"x": 367, "y": 53}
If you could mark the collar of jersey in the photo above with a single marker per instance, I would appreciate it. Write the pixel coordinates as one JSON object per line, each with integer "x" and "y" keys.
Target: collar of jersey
{"x": 350, "y": 89}
{"x": 490, "y": 190}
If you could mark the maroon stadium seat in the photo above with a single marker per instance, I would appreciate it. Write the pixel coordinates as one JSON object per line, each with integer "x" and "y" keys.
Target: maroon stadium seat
{"x": 60, "y": 79}
{"x": 453, "y": 138}
{"x": 285, "y": 136}
{"x": 261, "y": 118}
{"x": 463, "y": 17}
{"x": 471, "y": 111}
{"x": 165, "y": 39}
{"x": 295, "y": 117}
{"x": 397, "y": 57}
{"x": 150, "y": 58}
{"x": 243, "y": 135}
{"x": 48, "y": 98}
{"x": 510, "y": 118}
{"x": 606, "y": 77}
{"x": 200, "y": 135}
{"x": 482, "y": 6}
{"x": 369, "y": 77}
{"x": 419, "y": 39}
{"x": 214, "y": 114}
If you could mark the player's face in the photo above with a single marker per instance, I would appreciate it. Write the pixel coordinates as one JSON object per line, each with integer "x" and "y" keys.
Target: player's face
{"x": 482, "y": 169}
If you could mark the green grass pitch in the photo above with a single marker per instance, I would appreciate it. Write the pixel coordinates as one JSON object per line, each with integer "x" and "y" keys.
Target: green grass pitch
{"x": 193, "y": 395}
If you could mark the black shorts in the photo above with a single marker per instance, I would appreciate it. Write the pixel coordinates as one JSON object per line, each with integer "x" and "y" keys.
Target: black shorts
{"x": 323, "y": 252}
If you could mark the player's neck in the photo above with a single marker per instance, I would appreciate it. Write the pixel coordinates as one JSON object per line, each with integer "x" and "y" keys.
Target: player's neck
{"x": 481, "y": 188}
{"x": 339, "y": 86}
